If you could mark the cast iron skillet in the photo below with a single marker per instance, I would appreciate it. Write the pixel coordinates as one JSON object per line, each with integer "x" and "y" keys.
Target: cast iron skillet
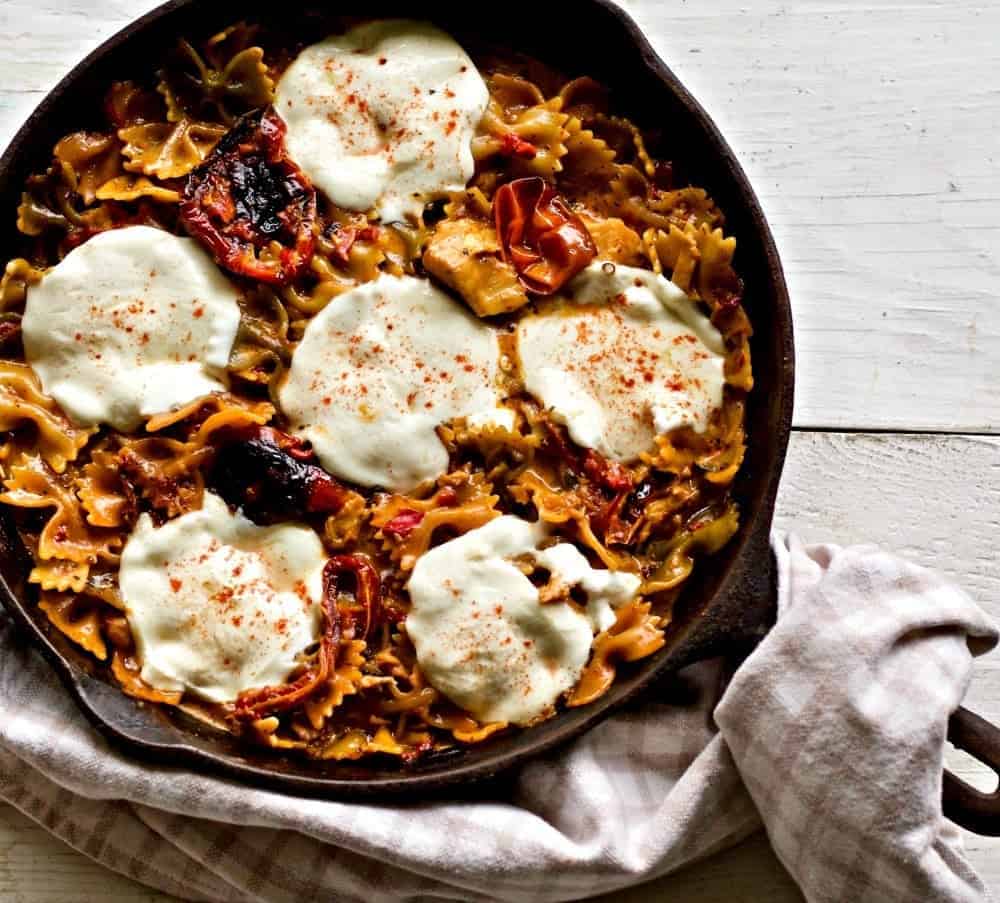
{"x": 730, "y": 602}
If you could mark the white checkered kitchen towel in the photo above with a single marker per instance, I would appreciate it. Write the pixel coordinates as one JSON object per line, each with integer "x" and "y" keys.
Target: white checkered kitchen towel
{"x": 831, "y": 734}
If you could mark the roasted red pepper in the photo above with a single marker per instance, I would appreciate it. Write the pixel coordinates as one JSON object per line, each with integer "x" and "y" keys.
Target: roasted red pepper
{"x": 272, "y": 477}
{"x": 545, "y": 241}
{"x": 337, "y": 620}
{"x": 248, "y": 194}
{"x": 367, "y": 591}
{"x": 254, "y": 704}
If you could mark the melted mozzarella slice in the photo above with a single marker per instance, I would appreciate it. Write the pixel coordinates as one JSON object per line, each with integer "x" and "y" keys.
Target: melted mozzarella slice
{"x": 481, "y": 634}
{"x": 218, "y": 605}
{"x": 383, "y": 116}
{"x": 379, "y": 369}
{"x": 625, "y": 357}
{"x": 131, "y": 323}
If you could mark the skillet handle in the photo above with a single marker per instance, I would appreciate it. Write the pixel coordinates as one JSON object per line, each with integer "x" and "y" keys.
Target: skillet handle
{"x": 972, "y": 809}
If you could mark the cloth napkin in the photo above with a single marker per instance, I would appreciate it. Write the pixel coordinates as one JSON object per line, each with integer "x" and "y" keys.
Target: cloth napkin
{"x": 831, "y": 734}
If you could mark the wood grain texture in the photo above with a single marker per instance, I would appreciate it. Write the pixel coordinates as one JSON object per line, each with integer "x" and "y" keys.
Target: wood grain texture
{"x": 871, "y": 131}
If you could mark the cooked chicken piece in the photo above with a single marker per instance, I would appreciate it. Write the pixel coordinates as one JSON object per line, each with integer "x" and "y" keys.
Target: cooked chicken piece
{"x": 465, "y": 255}
{"x": 615, "y": 241}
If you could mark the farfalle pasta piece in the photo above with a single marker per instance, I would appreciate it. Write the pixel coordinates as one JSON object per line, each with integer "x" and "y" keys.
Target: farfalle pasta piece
{"x": 17, "y": 276}
{"x": 342, "y": 529}
{"x": 168, "y": 150}
{"x": 92, "y": 158}
{"x": 686, "y": 207}
{"x": 718, "y": 452}
{"x": 163, "y": 472}
{"x": 583, "y": 98}
{"x": 345, "y": 681}
{"x": 265, "y": 731}
{"x": 59, "y": 575}
{"x": 588, "y": 160}
{"x": 634, "y": 197}
{"x": 49, "y": 203}
{"x": 335, "y": 269}
{"x": 636, "y": 634}
{"x": 66, "y": 537}
{"x": 676, "y": 251}
{"x": 407, "y": 524}
{"x": 196, "y": 87}
{"x": 354, "y": 744}
{"x": 622, "y": 136}
{"x": 706, "y": 534}
{"x": 209, "y": 415}
{"x": 77, "y": 618}
{"x": 23, "y": 403}
{"x": 263, "y": 347}
{"x": 513, "y": 93}
{"x": 566, "y": 508}
{"x": 127, "y": 104}
{"x": 105, "y": 496}
{"x": 133, "y": 187}
{"x": 533, "y": 139}
{"x": 127, "y": 672}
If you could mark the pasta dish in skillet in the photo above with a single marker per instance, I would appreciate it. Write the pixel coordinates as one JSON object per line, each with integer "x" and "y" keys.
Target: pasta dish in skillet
{"x": 367, "y": 397}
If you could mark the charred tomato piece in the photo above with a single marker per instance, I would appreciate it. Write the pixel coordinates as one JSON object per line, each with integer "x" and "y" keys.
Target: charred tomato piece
{"x": 248, "y": 195}
{"x": 540, "y": 236}
{"x": 272, "y": 477}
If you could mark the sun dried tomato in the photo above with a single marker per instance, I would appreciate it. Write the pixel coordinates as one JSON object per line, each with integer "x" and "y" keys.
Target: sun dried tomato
{"x": 606, "y": 473}
{"x": 545, "y": 241}
{"x": 247, "y": 195}
{"x": 513, "y": 145}
{"x": 343, "y": 238}
{"x": 404, "y": 523}
{"x": 10, "y": 329}
{"x": 598, "y": 469}
{"x": 270, "y": 475}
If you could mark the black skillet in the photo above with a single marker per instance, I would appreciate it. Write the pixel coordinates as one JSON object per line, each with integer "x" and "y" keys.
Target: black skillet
{"x": 729, "y": 604}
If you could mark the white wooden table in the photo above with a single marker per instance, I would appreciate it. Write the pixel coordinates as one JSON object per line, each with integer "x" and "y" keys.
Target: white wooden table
{"x": 871, "y": 130}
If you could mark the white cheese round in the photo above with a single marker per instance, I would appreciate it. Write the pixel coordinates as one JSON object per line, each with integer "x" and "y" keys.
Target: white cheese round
{"x": 379, "y": 369}
{"x": 481, "y": 634}
{"x": 625, "y": 356}
{"x": 131, "y": 323}
{"x": 218, "y": 605}
{"x": 383, "y": 116}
